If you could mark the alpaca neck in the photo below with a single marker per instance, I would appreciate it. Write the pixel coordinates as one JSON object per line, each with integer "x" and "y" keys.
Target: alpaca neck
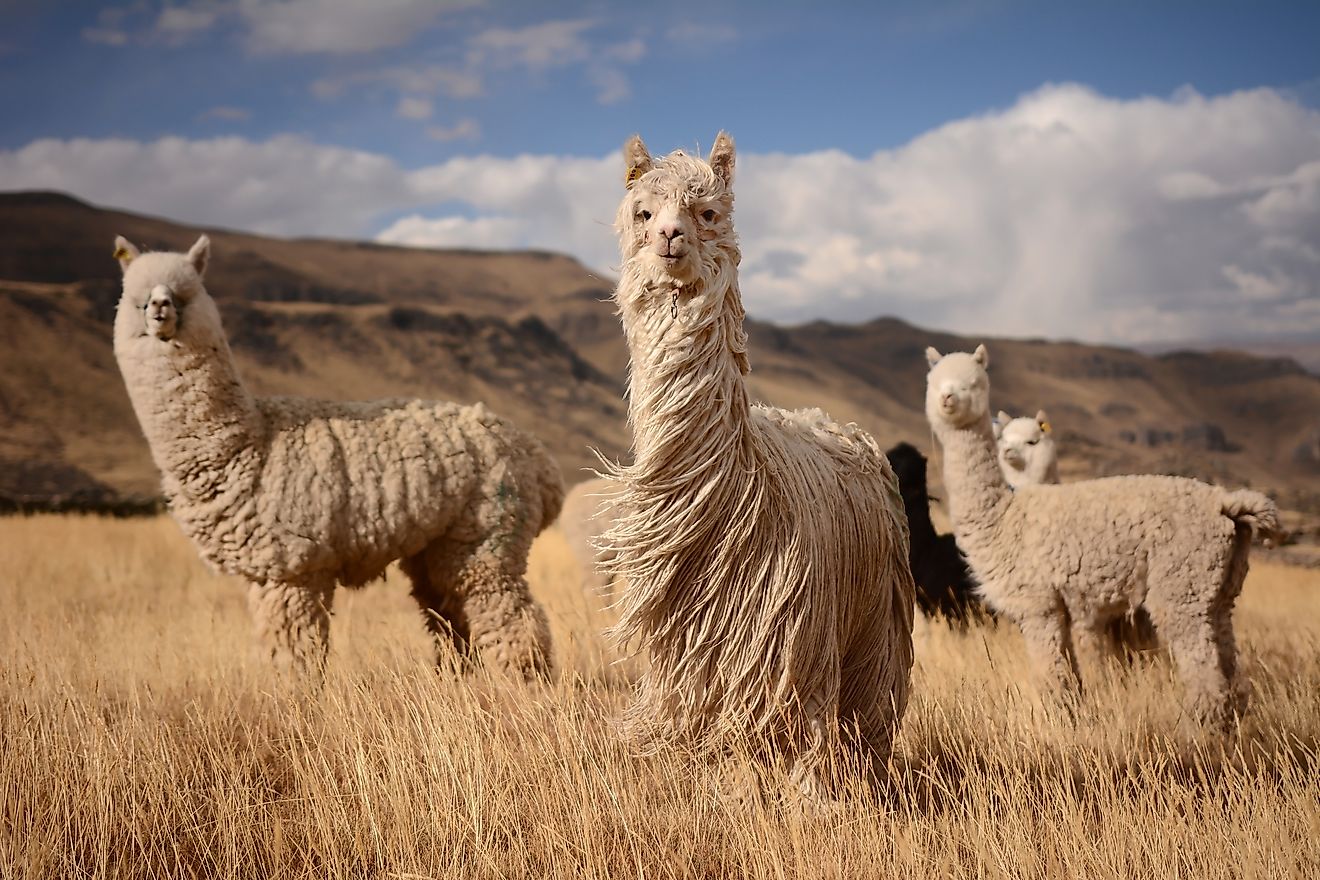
{"x": 975, "y": 485}
{"x": 198, "y": 417}
{"x": 687, "y": 401}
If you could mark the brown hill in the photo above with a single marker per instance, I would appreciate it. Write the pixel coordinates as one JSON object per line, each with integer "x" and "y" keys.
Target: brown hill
{"x": 534, "y": 336}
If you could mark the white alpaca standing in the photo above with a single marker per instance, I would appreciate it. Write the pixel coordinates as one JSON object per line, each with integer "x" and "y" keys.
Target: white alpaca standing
{"x": 1026, "y": 450}
{"x": 295, "y": 495}
{"x": 1028, "y": 456}
{"x": 586, "y": 516}
{"x": 1092, "y": 551}
{"x": 764, "y": 552}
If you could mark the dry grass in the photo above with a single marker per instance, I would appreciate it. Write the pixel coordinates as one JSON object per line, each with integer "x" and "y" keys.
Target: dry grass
{"x": 140, "y": 737}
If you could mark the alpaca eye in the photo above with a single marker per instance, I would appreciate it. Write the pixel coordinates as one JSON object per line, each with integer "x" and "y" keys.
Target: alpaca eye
{"x": 1033, "y": 441}
{"x": 645, "y": 215}
{"x": 709, "y": 215}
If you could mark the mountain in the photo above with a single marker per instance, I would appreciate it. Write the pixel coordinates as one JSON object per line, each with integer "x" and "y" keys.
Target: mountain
{"x": 533, "y": 334}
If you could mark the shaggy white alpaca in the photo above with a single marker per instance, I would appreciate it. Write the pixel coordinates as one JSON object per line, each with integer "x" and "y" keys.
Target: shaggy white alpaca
{"x": 1026, "y": 450}
{"x": 1092, "y": 551}
{"x": 586, "y": 516}
{"x": 764, "y": 552}
{"x": 295, "y": 495}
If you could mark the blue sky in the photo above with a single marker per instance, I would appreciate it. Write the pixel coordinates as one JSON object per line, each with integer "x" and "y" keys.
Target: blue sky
{"x": 1094, "y": 146}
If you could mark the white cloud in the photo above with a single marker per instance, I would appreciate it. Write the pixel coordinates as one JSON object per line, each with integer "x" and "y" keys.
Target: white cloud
{"x": 1066, "y": 214}
{"x": 284, "y": 186}
{"x": 457, "y": 232}
{"x": 337, "y": 26}
{"x": 412, "y": 107}
{"x": 278, "y": 26}
{"x": 462, "y": 130}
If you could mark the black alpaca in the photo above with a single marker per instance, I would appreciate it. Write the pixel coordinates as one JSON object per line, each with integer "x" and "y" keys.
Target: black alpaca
{"x": 944, "y": 582}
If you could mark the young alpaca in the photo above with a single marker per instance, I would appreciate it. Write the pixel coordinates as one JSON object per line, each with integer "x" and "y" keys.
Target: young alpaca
{"x": 764, "y": 552}
{"x": 295, "y": 495}
{"x": 1028, "y": 457}
{"x": 1026, "y": 450}
{"x": 945, "y": 586}
{"x": 1092, "y": 551}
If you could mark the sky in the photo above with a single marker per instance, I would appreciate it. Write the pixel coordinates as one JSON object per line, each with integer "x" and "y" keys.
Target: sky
{"x": 1126, "y": 172}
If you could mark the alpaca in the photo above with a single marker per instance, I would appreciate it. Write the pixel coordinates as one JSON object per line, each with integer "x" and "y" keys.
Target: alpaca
{"x": 1028, "y": 456}
{"x": 945, "y": 586}
{"x": 1026, "y": 450}
{"x": 585, "y": 517}
{"x": 297, "y": 495}
{"x": 1091, "y": 551}
{"x": 764, "y": 552}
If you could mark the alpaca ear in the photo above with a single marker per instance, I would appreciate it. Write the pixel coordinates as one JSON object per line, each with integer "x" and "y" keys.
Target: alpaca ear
{"x": 636, "y": 160}
{"x": 1043, "y": 420}
{"x": 982, "y": 357}
{"x": 125, "y": 252}
{"x": 997, "y": 424}
{"x": 721, "y": 157}
{"x": 199, "y": 254}
{"x": 932, "y": 356}
{"x": 1003, "y": 418}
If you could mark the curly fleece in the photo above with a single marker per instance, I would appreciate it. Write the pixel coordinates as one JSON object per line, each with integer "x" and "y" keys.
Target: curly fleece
{"x": 1092, "y": 551}
{"x": 296, "y": 495}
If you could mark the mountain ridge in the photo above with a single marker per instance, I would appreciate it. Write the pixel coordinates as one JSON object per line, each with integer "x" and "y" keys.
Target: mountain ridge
{"x": 535, "y": 335}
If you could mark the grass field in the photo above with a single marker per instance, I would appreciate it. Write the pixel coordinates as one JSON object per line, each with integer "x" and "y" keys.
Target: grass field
{"x": 141, "y": 737}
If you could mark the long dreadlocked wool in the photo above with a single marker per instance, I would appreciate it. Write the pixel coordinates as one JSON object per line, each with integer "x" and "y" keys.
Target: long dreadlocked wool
{"x": 764, "y": 552}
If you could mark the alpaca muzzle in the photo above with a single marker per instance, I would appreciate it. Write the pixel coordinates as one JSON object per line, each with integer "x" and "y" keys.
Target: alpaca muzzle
{"x": 162, "y": 315}
{"x": 1015, "y": 458}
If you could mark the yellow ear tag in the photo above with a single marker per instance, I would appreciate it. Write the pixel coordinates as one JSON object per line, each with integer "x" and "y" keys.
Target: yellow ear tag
{"x": 1045, "y": 426}
{"x": 121, "y": 253}
{"x": 634, "y": 173}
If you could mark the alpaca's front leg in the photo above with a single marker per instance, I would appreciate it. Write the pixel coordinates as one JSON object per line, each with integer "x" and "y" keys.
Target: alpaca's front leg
{"x": 293, "y": 623}
{"x": 1049, "y": 645}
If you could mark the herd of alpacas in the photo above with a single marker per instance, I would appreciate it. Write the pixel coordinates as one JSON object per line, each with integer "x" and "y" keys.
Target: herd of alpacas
{"x": 766, "y": 561}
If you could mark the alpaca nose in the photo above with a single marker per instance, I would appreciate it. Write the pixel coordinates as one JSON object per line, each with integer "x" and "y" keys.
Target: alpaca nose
{"x": 1014, "y": 457}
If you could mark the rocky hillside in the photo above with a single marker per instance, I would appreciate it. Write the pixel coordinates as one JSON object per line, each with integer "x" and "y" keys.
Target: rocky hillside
{"x": 533, "y": 334}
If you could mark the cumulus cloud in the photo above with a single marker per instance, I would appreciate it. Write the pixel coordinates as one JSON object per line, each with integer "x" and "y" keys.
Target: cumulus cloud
{"x": 1066, "y": 214}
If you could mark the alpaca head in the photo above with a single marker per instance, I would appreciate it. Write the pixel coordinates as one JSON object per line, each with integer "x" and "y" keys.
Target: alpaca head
{"x": 957, "y": 388}
{"x": 1026, "y": 448}
{"x": 675, "y": 223}
{"x": 163, "y": 301}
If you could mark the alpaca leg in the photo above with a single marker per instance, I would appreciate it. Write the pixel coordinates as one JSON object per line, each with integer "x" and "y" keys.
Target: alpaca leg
{"x": 1222, "y": 615}
{"x": 293, "y": 623}
{"x": 1049, "y": 646}
{"x": 1194, "y": 644}
{"x": 484, "y": 597}
{"x": 1097, "y": 641}
{"x": 441, "y": 612}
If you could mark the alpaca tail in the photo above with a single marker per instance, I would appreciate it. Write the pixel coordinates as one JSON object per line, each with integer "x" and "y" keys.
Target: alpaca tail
{"x": 1255, "y": 512}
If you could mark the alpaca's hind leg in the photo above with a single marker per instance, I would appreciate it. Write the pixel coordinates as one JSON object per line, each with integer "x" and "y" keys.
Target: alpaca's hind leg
{"x": 1049, "y": 645}
{"x": 1193, "y": 640}
{"x": 441, "y": 611}
{"x": 485, "y": 598}
{"x": 1222, "y": 617}
{"x": 293, "y": 623}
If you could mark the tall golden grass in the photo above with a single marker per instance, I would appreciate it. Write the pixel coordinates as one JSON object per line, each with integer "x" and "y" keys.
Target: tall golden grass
{"x": 141, "y": 737}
